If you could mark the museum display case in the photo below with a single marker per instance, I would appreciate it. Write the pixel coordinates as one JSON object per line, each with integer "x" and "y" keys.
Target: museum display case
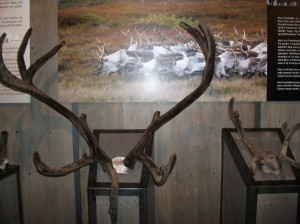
{"x": 10, "y": 195}
{"x": 136, "y": 188}
{"x": 258, "y": 198}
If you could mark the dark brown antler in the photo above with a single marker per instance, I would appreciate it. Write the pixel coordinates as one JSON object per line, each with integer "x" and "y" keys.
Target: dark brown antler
{"x": 25, "y": 85}
{"x": 288, "y": 136}
{"x": 160, "y": 175}
{"x": 206, "y": 41}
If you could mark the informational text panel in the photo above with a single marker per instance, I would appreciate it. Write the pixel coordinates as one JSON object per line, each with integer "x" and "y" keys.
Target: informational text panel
{"x": 14, "y": 21}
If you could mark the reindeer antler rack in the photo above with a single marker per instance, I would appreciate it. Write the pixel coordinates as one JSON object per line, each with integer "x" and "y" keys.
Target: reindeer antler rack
{"x": 97, "y": 155}
{"x": 268, "y": 161}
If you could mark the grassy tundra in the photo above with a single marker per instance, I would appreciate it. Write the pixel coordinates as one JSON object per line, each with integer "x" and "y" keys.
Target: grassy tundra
{"x": 82, "y": 23}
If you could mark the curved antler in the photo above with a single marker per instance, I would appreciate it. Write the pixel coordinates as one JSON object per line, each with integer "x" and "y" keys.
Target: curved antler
{"x": 288, "y": 136}
{"x": 206, "y": 41}
{"x": 267, "y": 161}
{"x": 25, "y": 85}
{"x": 234, "y": 117}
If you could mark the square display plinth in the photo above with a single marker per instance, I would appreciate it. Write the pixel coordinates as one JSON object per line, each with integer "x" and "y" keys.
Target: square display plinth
{"x": 10, "y": 195}
{"x": 259, "y": 198}
{"x": 136, "y": 188}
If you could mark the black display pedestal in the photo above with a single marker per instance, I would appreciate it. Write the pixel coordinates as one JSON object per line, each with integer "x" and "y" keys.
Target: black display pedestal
{"x": 261, "y": 198}
{"x": 10, "y": 195}
{"x": 136, "y": 189}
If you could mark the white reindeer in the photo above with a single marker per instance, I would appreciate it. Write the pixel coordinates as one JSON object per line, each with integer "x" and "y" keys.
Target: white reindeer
{"x": 248, "y": 66}
{"x": 160, "y": 63}
{"x": 116, "y": 61}
{"x": 189, "y": 65}
{"x": 219, "y": 67}
{"x": 260, "y": 48}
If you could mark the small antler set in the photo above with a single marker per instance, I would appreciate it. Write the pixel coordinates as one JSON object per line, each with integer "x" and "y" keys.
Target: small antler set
{"x": 267, "y": 161}
{"x": 97, "y": 155}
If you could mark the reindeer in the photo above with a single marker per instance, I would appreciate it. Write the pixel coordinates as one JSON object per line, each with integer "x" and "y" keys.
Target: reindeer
{"x": 285, "y": 2}
{"x": 248, "y": 66}
{"x": 271, "y": 2}
{"x": 96, "y": 154}
{"x": 116, "y": 61}
{"x": 219, "y": 67}
{"x": 223, "y": 45}
{"x": 156, "y": 65}
{"x": 196, "y": 64}
{"x": 229, "y": 58}
{"x": 260, "y": 48}
{"x": 189, "y": 65}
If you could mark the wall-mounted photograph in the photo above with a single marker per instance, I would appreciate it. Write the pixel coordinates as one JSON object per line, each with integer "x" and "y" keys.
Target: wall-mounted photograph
{"x": 135, "y": 51}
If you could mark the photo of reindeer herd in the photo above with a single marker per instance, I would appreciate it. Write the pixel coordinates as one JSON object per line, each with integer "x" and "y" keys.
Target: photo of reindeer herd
{"x": 288, "y": 3}
{"x": 135, "y": 51}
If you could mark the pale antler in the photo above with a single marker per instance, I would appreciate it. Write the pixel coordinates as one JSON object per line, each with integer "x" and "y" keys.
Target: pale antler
{"x": 262, "y": 36}
{"x": 288, "y": 136}
{"x": 240, "y": 41}
{"x": 206, "y": 41}
{"x": 266, "y": 160}
{"x": 25, "y": 85}
{"x": 129, "y": 35}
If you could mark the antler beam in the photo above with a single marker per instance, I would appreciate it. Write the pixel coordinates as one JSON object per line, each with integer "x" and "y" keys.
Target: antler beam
{"x": 266, "y": 160}
{"x": 206, "y": 41}
{"x": 289, "y": 133}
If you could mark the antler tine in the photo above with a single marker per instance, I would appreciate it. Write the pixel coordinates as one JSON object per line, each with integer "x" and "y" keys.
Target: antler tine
{"x": 125, "y": 32}
{"x": 129, "y": 35}
{"x": 146, "y": 38}
{"x": 20, "y": 56}
{"x": 102, "y": 45}
{"x": 102, "y": 51}
{"x": 288, "y": 136}
{"x": 27, "y": 75}
{"x": 218, "y": 36}
{"x": 234, "y": 117}
{"x": 138, "y": 38}
{"x": 244, "y": 35}
{"x": 45, "y": 170}
{"x": 25, "y": 85}
{"x": 205, "y": 39}
{"x": 261, "y": 37}
{"x": 235, "y": 31}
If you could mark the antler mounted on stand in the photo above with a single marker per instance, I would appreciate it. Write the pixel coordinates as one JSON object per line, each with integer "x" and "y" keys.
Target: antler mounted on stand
{"x": 267, "y": 161}
{"x": 289, "y": 133}
{"x": 97, "y": 155}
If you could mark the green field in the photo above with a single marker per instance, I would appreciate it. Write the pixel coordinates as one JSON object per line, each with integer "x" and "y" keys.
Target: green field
{"x": 81, "y": 23}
